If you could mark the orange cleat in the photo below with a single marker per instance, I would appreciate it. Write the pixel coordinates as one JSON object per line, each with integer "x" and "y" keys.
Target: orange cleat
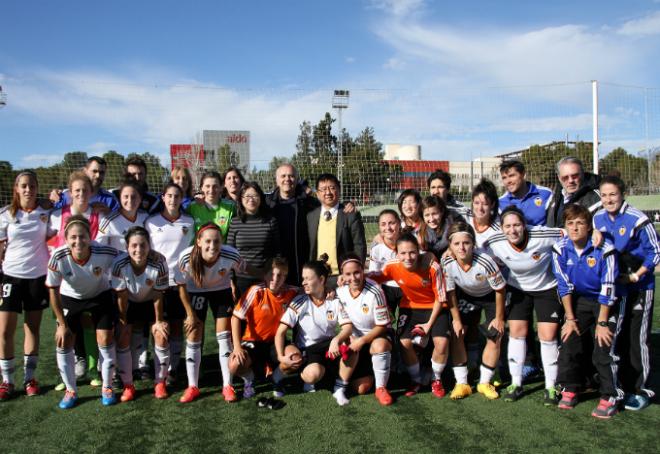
{"x": 191, "y": 393}
{"x": 383, "y": 396}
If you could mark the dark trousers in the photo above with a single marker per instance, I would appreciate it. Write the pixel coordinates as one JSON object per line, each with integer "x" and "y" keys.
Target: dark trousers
{"x": 575, "y": 351}
{"x": 634, "y": 343}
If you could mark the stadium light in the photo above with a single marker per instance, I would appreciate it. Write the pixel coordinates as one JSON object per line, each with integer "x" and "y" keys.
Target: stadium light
{"x": 340, "y": 102}
{"x": 3, "y": 98}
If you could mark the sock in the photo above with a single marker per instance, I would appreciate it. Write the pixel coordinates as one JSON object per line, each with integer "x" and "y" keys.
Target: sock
{"x": 339, "y": 392}
{"x": 248, "y": 377}
{"x": 161, "y": 362}
{"x": 124, "y": 363}
{"x": 277, "y": 376}
{"x": 381, "y": 364}
{"x": 29, "y": 366}
{"x": 136, "y": 348}
{"x": 473, "y": 354}
{"x": 437, "y": 369}
{"x": 517, "y": 352}
{"x": 224, "y": 350}
{"x": 66, "y": 363}
{"x": 461, "y": 374}
{"x": 8, "y": 369}
{"x": 143, "y": 353}
{"x": 175, "y": 353}
{"x": 193, "y": 360}
{"x": 109, "y": 357}
{"x": 486, "y": 374}
{"x": 413, "y": 371}
{"x": 549, "y": 354}
{"x": 89, "y": 341}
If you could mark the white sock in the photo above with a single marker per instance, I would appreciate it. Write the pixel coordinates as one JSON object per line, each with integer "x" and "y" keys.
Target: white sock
{"x": 175, "y": 353}
{"x": 486, "y": 374}
{"x": 461, "y": 374}
{"x": 248, "y": 377}
{"x": 277, "y": 376}
{"x": 437, "y": 369}
{"x": 381, "y": 364}
{"x": 161, "y": 362}
{"x": 549, "y": 355}
{"x": 29, "y": 366}
{"x": 224, "y": 350}
{"x": 66, "y": 363}
{"x": 142, "y": 359}
{"x": 340, "y": 392}
{"x": 8, "y": 369}
{"x": 193, "y": 360}
{"x": 124, "y": 362}
{"x": 109, "y": 356}
{"x": 413, "y": 371}
{"x": 136, "y": 348}
{"x": 516, "y": 354}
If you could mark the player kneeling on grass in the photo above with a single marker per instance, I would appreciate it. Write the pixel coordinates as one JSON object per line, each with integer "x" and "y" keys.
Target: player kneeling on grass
{"x": 79, "y": 281}
{"x": 422, "y": 312}
{"x": 140, "y": 277}
{"x": 314, "y": 319}
{"x": 585, "y": 276}
{"x": 371, "y": 341}
{"x": 260, "y": 310}
{"x": 476, "y": 279}
{"x": 205, "y": 271}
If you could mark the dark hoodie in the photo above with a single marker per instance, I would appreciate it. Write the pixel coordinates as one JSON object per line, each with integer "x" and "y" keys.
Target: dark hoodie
{"x": 587, "y": 195}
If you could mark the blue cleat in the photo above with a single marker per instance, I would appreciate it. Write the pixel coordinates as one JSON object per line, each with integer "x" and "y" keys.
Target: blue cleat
{"x": 108, "y": 397}
{"x": 636, "y": 402}
{"x": 529, "y": 373}
{"x": 69, "y": 400}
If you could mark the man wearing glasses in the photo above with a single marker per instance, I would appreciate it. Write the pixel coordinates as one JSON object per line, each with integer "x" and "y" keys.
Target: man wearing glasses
{"x": 576, "y": 186}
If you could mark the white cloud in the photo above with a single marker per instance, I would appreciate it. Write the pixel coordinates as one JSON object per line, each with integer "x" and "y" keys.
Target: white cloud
{"x": 349, "y": 60}
{"x": 38, "y": 160}
{"x": 647, "y": 25}
{"x": 394, "y": 63}
{"x": 398, "y": 7}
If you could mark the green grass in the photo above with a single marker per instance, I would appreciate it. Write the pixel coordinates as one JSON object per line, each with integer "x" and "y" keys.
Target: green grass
{"x": 312, "y": 423}
{"x": 645, "y": 202}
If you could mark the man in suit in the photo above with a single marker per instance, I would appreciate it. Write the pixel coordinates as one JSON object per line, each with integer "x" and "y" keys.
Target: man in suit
{"x": 332, "y": 231}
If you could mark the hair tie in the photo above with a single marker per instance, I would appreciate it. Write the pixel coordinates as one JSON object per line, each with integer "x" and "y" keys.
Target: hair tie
{"x": 349, "y": 261}
{"x": 76, "y": 221}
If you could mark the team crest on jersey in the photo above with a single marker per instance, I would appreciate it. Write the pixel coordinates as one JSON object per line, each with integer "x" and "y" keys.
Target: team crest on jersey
{"x": 480, "y": 277}
{"x": 622, "y": 230}
{"x": 591, "y": 261}
{"x": 43, "y": 217}
{"x": 365, "y": 309}
{"x": 222, "y": 221}
{"x": 184, "y": 229}
{"x": 149, "y": 283}
{"x": 536, "y": 255}
{"x": 97, "y": 271}
{"x": 222, "y": 272}
{"x": 330, "y": 315}
{"x": 538, "y": 201}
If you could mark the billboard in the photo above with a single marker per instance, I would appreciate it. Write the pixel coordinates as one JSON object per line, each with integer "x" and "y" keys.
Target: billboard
{"x": 224, "y": 148}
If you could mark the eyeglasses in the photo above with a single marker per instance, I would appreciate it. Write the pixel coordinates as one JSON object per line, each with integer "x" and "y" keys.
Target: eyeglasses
{"x": 327, "y": 189}
{"x": 251, "y": 197}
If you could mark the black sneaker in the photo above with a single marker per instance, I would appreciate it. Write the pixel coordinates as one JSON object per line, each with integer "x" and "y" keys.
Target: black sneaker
{"x": 551, "y": 397}
{"x": 512, "y": 393}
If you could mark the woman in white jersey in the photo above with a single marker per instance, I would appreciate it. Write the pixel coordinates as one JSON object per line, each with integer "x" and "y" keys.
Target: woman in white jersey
{"x": 140, "y": 277}
{"x": 113, "y": 227}
{"x": 532, "y": 286}
{"x": 389, "y": 227}
{"x": 483, "y": 217}
{"x": 475, "y": 279}
{"x": 204, "y": 279}
{"x": 79, "y": 281}
{"x": 23, "y": 234}
{"x": 315, "y": 319}
{"x": 371, "y": 340}
{"x": 172, "y": 231}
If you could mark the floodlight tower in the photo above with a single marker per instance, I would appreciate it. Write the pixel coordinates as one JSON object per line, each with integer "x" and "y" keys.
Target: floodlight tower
{"x": 340, "y": 102}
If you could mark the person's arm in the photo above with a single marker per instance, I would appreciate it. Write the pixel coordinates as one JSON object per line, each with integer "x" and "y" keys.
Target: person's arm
{"x": 62, "y": 332}
{"x": 603, "y": 333}
{"x": 500, "y": 300}
{"x": 651, "y": 245}
{"x": 236, "y": 334}
{"x": 341, "y": 338}
{"x": 122, "y": 304}
{"x": 191, "y": 321}
{"x": 570, "y": 322}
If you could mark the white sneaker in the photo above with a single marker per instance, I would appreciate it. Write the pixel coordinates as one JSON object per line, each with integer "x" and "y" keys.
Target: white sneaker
{"x": 309, "y": 388}
{"x": 340, "y": 397}
{"x": 81, "y": 367}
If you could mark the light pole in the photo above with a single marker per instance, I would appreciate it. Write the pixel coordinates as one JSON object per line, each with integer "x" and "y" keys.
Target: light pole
{"x": 340, "y": 102}
{"x": 3, "y": 98}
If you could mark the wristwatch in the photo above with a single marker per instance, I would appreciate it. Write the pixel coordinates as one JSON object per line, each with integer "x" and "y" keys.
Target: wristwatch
{"x": 604, "y": 324}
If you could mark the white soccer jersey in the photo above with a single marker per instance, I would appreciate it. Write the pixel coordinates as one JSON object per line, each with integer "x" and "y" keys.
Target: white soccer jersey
{"x": 313, "y": 323}
{"x": 81, "y": 280}
{"x": 365, "y": 311}
{"x": 530, "y": 268}
{"x": 170, "y": 237}
{"x": 113, "y": 228}
{"x": 482, "y": 277}
{"x": 380, "y": 254}
{"x": 216, "y": 277}
{"x": 26, "y": 253}
{"x": 146, "y": 285}
{"x": 482, "y": 236}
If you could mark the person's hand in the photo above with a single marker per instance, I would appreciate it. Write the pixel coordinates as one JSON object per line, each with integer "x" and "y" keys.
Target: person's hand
{"x": 190, "y": 323}
{"x": 333, "y": 349}
{"x": 349, "y": 207}
{"x": 293, "y": 360}
{"x": 62, "y": 334}
{"x": 569, "y": 327}
{"x": 356, "y": 344}
{"x": 497, "y": 324}
{"x": 459, "y": 330}
{"x": 123, "y": 319}
{"x": 603, "y": 336}
{"x": 597, "y": 237}
{"x": 161, "y": 327}
{"x": 54, "y": 195}
{"x": 240, "y": 354}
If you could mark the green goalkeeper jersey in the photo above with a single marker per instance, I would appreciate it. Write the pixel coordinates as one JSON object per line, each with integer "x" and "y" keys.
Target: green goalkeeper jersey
{"x": 221, "y": 215}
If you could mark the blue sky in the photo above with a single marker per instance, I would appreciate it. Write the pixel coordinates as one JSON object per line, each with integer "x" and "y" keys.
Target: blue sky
{"x": 463, "y": 79}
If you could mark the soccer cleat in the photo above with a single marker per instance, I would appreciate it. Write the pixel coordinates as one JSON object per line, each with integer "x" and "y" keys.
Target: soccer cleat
{"x": 95, "y": 382}
{"x": 437, "y": 389}
{"x": 605, "y": 410}
{"x": 191, "y": 393}
{"x": 383, "y": 396}
{"x": 551, "y": 397}
{"x": 278, "y": 390}
{"x": 6, "y": 391}
{"x": 460, "y": 391}
{"x": 69, "y": 400}
{"x": 309, "y": 388}
{"x": 636, "y": 402}
{"x": 32, "y": 388}
{"x": 81, "y": 367}
{"x": 229, "y": 394}
{"x": 160, "y": 390}
{"x": 487, "y": 390}
{"x": 108, "y": 397}
{"x": 513, "y": 393}
{"x": 128, "y": 394}
{"x": 568, "y": 400}
{"x": 248, "y": 391}
{"x": 413, "y": 388}
{"x": 340, "y": 397}
{"x": 60, "y": 387}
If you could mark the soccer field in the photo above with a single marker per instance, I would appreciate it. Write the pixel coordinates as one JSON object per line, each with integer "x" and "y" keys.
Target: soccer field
{"x": 312, "y": 423}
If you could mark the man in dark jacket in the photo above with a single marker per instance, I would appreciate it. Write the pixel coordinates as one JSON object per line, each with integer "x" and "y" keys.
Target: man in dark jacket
{"x": 576, "y": 186}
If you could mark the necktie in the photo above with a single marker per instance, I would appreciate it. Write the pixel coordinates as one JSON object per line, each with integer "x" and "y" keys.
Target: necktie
{"x": 327, "y": 215}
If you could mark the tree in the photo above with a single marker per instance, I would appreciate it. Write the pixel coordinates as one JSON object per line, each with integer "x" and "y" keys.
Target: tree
{"x": 157, "y": 175}
{"x": 7, "y": 176}
{"x": 75, "y": 160}
{"x": 114, "y": 170}
{"x": 228, "y": 158}
{"x": 541, "y": 160}
{"x": 632, "y": 169}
